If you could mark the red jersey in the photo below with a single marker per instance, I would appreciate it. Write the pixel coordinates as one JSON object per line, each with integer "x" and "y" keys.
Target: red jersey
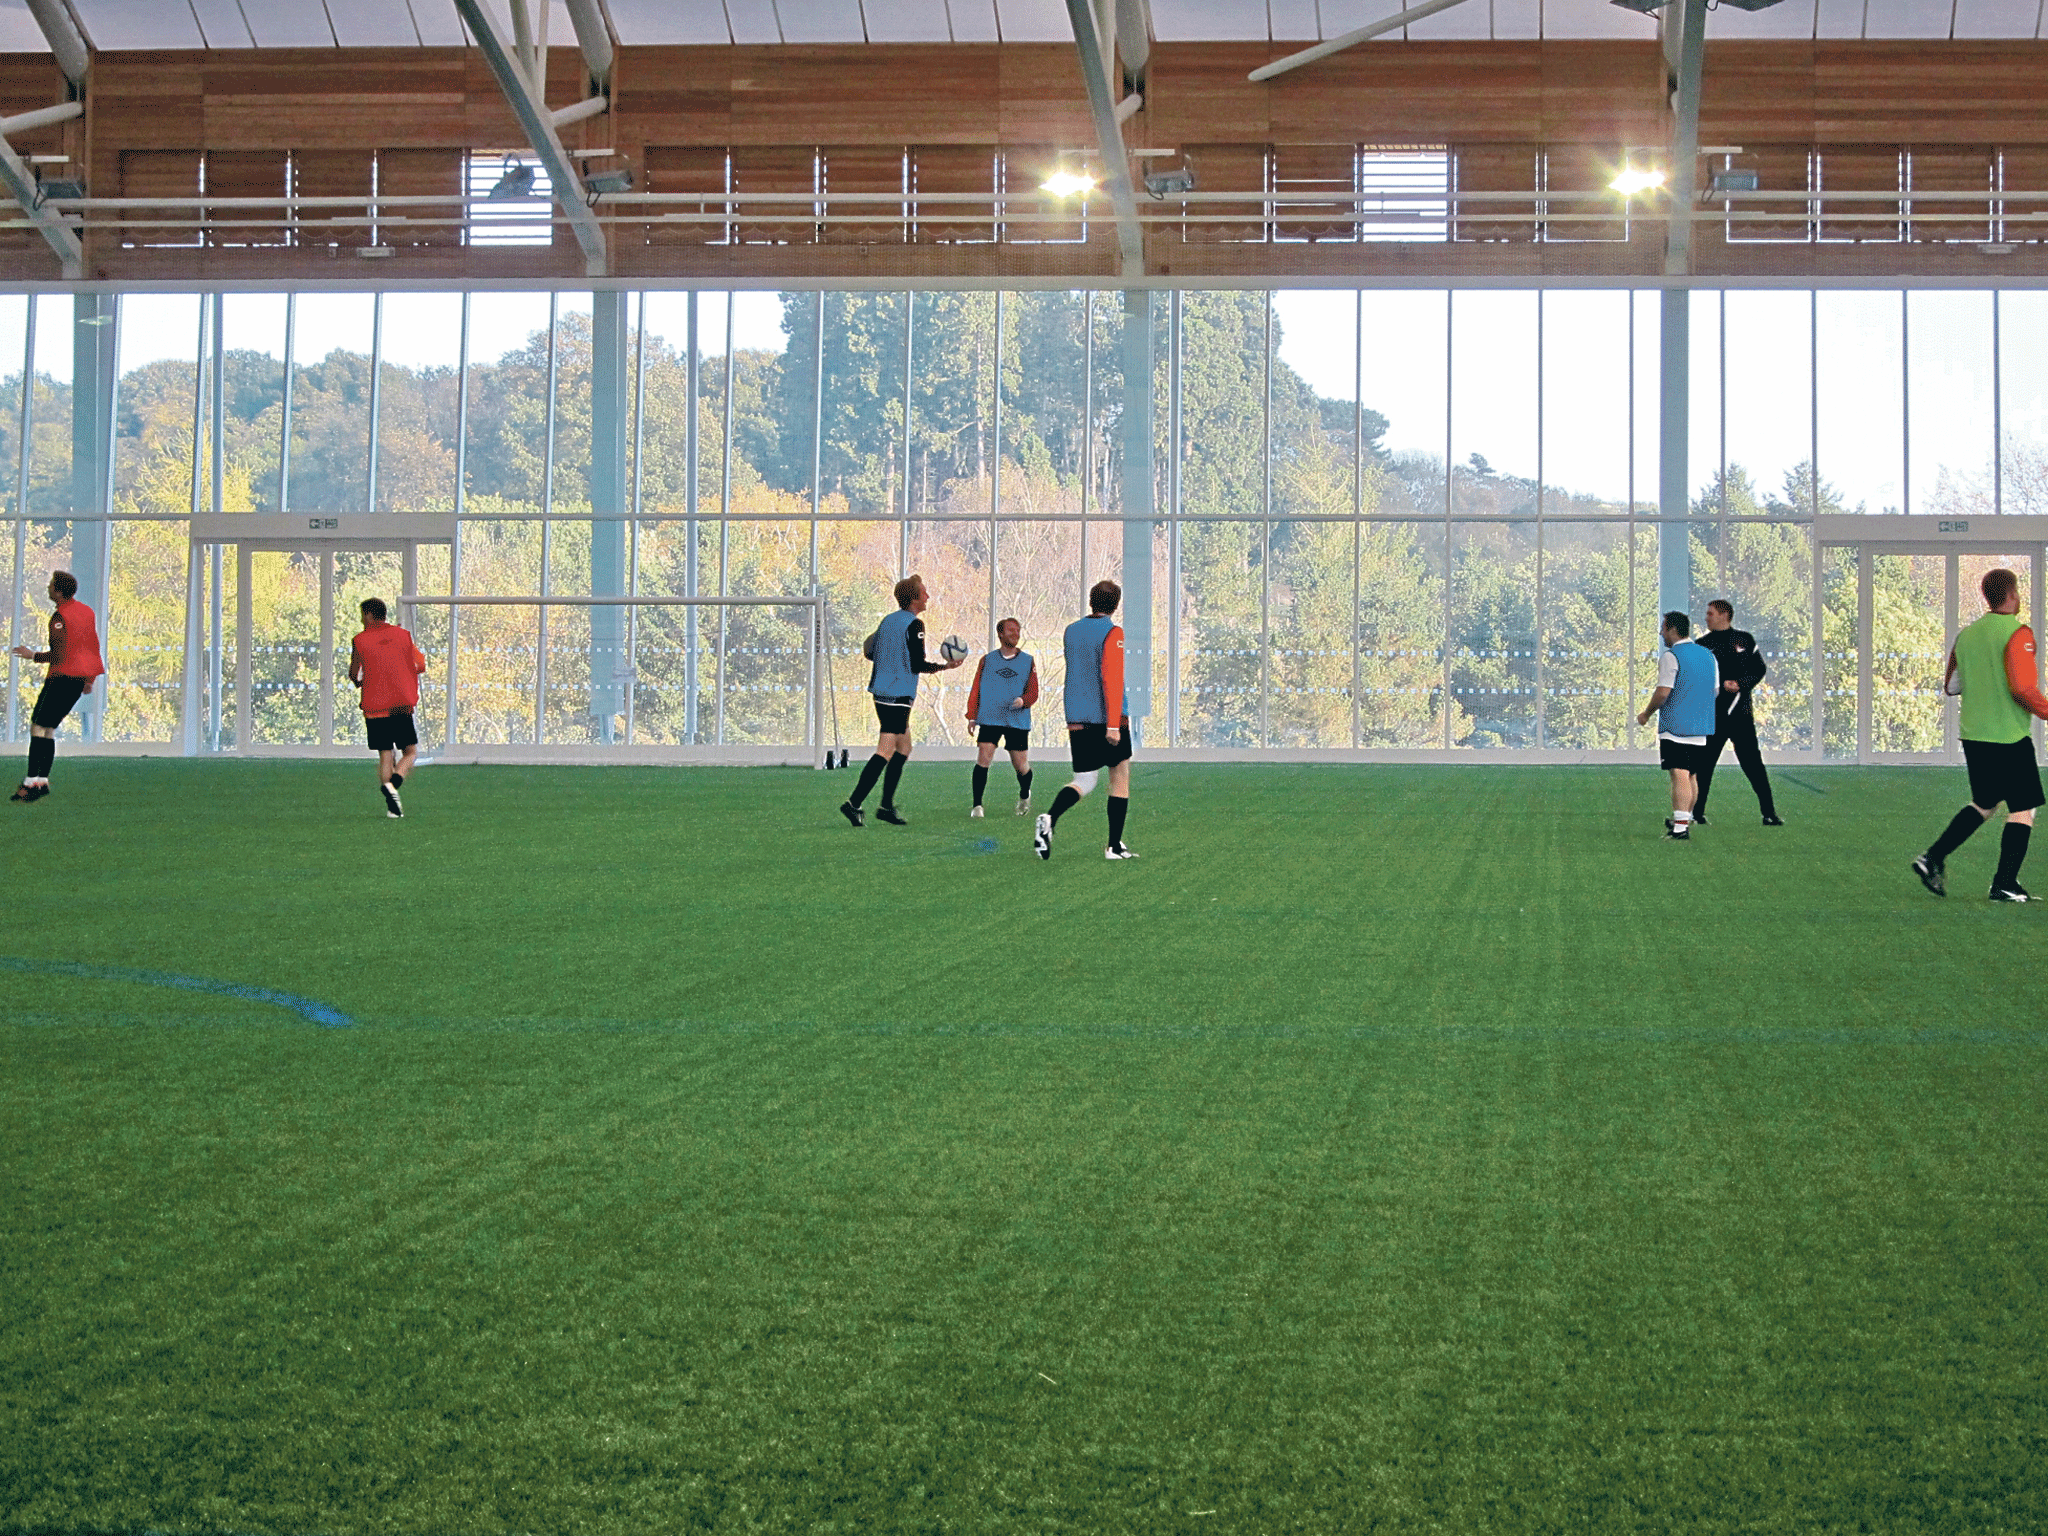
{"x": 74, "y": 642}
{"x": 388, "y": 665}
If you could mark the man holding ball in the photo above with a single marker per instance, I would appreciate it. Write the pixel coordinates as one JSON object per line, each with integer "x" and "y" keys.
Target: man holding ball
{"x": 897, "y": 650}
{"x": 999, "y": 706}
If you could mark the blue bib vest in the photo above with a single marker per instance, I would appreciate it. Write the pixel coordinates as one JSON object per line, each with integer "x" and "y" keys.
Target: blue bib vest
{"x": 1003, "y": 679}
{"x": 1690, "y": 709}
{"x": 1084, "y": 641}
{"x": 892, "y": 677}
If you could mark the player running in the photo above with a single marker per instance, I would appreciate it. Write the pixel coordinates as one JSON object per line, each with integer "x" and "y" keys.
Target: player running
{"x": 999, "y": 705}
{"x": 1098, "y": 719}
{"x": 386, "y": 665}
{"x": 1993, "y": 667}
{"x": 897, "y": 650}
{"x": 74, "y": 661}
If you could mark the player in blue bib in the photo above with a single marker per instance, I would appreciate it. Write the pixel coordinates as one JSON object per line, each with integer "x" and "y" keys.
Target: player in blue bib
{"x": 896, "y": 649}
{"x": 1688, "y": 678}
{"x": 999, "y": 710}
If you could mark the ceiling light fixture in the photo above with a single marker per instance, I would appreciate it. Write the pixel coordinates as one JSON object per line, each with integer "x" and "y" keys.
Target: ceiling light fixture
{"x": 516, "y": 183}
{"x": 1066, "y": 183}
{"x": 1634, "y": 179}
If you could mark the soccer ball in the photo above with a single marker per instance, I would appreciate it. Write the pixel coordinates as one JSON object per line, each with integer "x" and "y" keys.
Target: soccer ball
{"x": 953, "y": 648}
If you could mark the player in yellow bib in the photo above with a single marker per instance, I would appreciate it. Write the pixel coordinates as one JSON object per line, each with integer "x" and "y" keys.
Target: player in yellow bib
{"x": 1994, "y": 668}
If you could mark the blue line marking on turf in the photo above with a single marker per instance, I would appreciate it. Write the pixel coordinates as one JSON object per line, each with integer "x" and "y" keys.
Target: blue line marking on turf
{"x": 305, "y": 1007}
{"x": 985, "y": 845}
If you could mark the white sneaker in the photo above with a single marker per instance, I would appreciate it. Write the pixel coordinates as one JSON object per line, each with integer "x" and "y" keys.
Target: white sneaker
{"x": 1024, "y": 806}
{"x": 1117, "y": 851}
{"x": 1041, "y": 838}
{"x": 393, "y": 807}
{"x": 975, "y": 814}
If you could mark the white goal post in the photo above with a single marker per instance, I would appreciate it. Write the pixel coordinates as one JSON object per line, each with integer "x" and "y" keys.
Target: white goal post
{"x": 819, "y": 696}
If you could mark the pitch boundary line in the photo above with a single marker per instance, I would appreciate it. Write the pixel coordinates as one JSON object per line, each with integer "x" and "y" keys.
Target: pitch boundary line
{"x": 307, "y": 1008}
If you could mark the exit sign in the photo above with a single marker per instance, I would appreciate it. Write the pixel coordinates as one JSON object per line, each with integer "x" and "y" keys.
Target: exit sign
{"x": 1953, "y": 525}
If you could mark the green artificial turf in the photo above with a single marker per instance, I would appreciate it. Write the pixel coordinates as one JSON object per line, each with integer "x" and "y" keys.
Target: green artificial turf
{"x": 1387, "y": 1149}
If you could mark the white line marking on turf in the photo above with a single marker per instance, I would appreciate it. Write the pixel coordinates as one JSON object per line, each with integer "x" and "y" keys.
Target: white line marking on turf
{"x": 1043, "y": 1377}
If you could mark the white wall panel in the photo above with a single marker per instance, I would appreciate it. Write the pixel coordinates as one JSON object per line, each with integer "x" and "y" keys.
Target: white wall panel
{"x": 117, "y": 24}
{"x": 668, "y": 21}
{"x": 905, "y": 21}
{"x": 1997, "y": 18}
{"x": 373, "y": 24}
{"x": 1790, "y": 19}
{"x": 1035, "y": 21}
{"x": 1203, "y": 21}
{"x": 821, "y": 21}
{"x": 753, "y": 21}
{"x": 974, "y": 21}
{"x": 1908, "y": 18}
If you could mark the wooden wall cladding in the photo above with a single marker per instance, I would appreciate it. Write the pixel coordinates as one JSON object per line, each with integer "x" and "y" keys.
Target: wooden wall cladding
{"x": 952, "y": 118}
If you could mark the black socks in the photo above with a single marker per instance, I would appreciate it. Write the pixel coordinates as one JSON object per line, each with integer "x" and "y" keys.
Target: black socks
{"x": 980, "y": 782}
{"x": 891, "y": 777}
{"x": 1024, "y": 785}
{"x": 398, "y": 781}
{"x": 1064, "y": 802}
{"x": 42, "y": 751}
{"x": 1119, "y": 807}
{"x": 1966, "y": 822}
{"x": 870, "y": 771}
{"x": 2012, "y": 852}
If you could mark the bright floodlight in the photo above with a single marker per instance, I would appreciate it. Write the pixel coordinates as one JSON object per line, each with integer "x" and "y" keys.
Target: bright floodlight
{"x": 1065, "y": 183}
{"x": 1632, "y": 181}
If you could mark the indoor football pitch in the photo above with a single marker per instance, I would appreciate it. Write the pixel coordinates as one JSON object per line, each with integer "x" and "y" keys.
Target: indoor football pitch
{"x": 1386, "y": 1149}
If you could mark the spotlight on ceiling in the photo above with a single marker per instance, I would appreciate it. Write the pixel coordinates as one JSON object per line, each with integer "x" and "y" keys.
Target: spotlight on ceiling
{"x": 1634, "y": 179}
{"x": 1750, "y": 5}
{"x": 516, "y": 183}
{"x": 1171, "y": 183}
{"x": 1066, "y": 183}
{"x": 1644, "y": 7}
{"x": 618, "y": 180}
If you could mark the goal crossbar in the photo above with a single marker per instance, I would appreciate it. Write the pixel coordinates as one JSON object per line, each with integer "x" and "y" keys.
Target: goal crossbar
{"x": 817, "y": 652}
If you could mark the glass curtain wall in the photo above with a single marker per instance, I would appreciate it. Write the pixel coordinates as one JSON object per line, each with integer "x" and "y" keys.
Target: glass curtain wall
{"x": 1416, "y": 519}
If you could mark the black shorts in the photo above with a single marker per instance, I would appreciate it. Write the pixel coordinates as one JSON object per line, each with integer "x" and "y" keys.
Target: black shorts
{"x": 59, "y": 695}
{"x": 894, "y": 715}
{"x": 2004, "y": 770}
{"x": 1693, "y": 758}
{"x": 1093, "y": 749}
{"x": 391, "y": 733}
{"x": 1013, "y": 740}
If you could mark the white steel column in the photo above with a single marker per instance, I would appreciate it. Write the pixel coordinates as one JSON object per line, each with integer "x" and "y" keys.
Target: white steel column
{"x": 547, "y": 530}
{"x": 284, "y": 426}
{"x": 1266, "y": 525}
{"x": 1173, "y": 513}
{"x": 817, "y": 426}
{"x": 327, "y": 645}
{"x": 22, "y": 455}
{"x": 455, "y": 543}
{"x": 1951, "y": 622}
{"x": 639, "y": 478}
{"x": 1866, "y": 563}
{"x": 245, "y": 640}
{"x": 1137, "y": 509}
{"x": 909, "y": 373}
{"x": 724, "y": 517}
{"x": 216, "y": 411}
{"x": 376, "y": 397}
{"x": 995, "y": 471}
{"x": 1357, "y": 495}
{"x": 692, "y": 450}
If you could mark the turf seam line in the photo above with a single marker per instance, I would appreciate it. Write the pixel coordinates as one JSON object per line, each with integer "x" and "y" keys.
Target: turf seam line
{"x": 306, "y": 1007}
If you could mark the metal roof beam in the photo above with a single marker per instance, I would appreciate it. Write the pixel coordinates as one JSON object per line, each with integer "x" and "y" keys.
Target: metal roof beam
{"x": 1380, "y": 28}
{"x": 536, "y": 121}
{"x": 1685, "y": 46}
{"x": 1109, "y": 136}
{"x": 594, "y": 37}
{"x": 67, "y": 43}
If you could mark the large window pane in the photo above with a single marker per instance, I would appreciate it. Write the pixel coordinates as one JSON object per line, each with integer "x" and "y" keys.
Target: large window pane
{"x": 2023, "y": 402}
{"x": 330, "y": 467}
{"x": 1949, "y": 416}
{"x": 1860, "y": 396}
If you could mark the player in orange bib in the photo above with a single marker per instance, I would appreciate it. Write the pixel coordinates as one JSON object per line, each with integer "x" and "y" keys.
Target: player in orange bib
{"x": 386, "y": 665}
{"x": 74, "y": 661}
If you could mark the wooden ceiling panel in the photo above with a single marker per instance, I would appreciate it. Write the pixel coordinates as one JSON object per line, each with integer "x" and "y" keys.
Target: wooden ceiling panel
{"x": 1603, "y": 93}
{"x": 876, "y": 94}
{"x": 1419, "y": 93}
